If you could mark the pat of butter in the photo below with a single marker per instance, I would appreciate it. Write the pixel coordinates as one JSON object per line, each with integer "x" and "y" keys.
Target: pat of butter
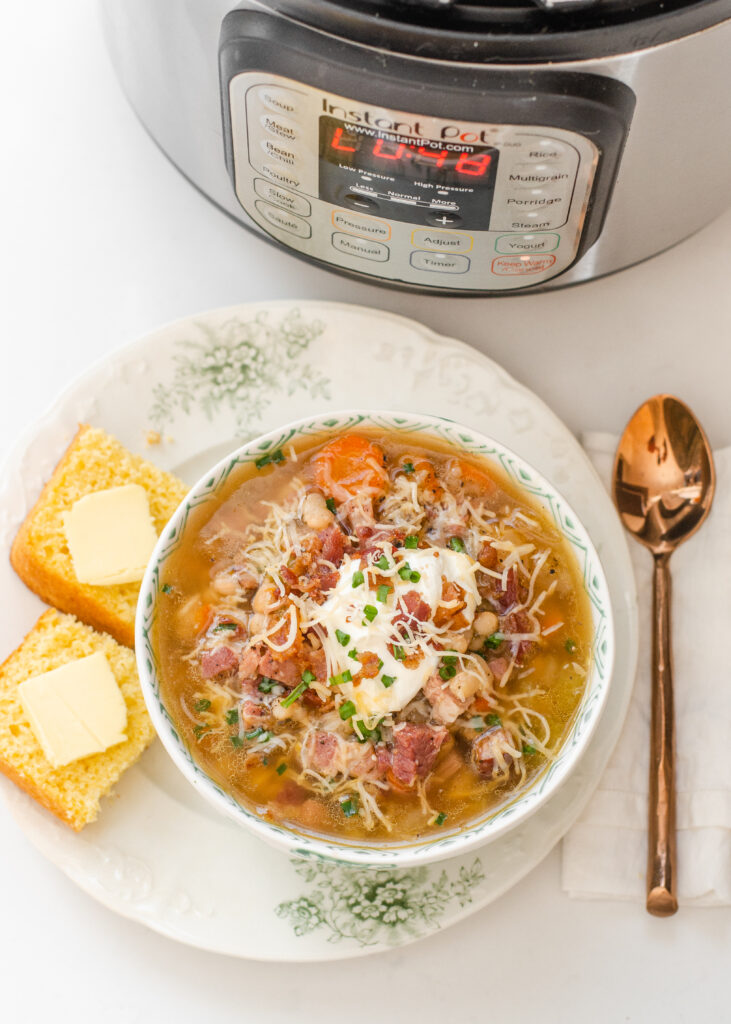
{"x": 75, "y": 710}
{"x": 110, "y": 535}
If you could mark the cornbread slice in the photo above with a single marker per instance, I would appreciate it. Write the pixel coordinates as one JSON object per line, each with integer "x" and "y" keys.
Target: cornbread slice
{"x": 72, "y": 792}
{"x": 94, "y": 461}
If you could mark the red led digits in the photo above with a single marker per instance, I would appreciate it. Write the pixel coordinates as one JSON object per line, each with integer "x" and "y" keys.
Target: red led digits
{"x": 378, "y": 150}
{"x": 438, "y": 158}
{"x": 474, "y": 165}
{"x": 337, "y": 142}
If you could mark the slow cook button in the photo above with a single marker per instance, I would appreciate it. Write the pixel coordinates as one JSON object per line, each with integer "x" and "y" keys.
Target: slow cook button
{"x": 354, "y": 246}
{"x": 360, "y": 224}
{"x": 503, "y": 266}
{"x": 280, "y": 127}
{"x": 283, "y": 101}
{"x": 282, "y": 197}
{"x": 440, "y": 262}
{"x": 527, "y": 243}
{"x": 448, "y": 241}
{"x": 283, "y": 220}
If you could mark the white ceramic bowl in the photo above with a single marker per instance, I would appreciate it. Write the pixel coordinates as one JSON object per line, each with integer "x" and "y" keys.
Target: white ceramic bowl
{"x": 498, "y": 820}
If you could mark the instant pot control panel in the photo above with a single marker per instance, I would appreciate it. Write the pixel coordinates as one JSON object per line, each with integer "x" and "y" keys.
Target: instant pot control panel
{"x": 408, "y": 193}
{"x": 404, "y": 196}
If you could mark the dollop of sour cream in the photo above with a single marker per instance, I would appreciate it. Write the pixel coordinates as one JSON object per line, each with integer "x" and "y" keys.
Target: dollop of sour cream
{"x": 344, "y": 614}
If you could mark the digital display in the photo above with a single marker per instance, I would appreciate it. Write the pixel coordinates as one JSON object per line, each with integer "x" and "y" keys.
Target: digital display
{"x": 406, "y": 178}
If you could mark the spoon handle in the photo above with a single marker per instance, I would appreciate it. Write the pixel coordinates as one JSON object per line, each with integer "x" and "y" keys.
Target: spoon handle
{"x": 661, "y": 859}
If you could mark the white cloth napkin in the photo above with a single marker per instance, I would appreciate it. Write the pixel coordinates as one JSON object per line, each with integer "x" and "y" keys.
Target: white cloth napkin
{"x": 604, "y": 854}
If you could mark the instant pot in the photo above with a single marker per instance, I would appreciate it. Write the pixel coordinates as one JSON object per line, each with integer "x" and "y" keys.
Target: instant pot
{"x": 459, "y": 147}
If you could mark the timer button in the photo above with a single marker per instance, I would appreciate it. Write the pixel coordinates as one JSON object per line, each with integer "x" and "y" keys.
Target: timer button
{"x": 284, "y": 220}
{"x": 282, "y": 197}
{"x": 440, "y": 262}
{"x": 361, "y": 247}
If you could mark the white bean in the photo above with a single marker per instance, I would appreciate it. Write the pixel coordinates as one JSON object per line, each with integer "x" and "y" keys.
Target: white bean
{"x": 315, "y": 513}
{"x": 265, "y": 599}
{"x": 465, "y": 685}
{"x": 225, "y": 584}
{"x": 485, "y": 623}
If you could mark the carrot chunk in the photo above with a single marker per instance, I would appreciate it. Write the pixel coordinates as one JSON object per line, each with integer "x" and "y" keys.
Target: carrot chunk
{"x": 350, "y": 465}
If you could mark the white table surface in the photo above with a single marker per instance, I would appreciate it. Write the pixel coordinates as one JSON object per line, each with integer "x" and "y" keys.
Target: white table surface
{"x": 102, "y": 240}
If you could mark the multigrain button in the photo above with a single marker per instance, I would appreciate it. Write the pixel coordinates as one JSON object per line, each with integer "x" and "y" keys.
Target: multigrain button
{"x": 283, "y": 220}
{"x": 361, "y": 247}
{"x": 530, "y": 174}
{"x": 449, "y": 241}
{"x": 440, "y": 262}
{"x": 527, "y": 243}
{"x": 279, "y": 127}
{"x": 359, "y": 224}
{"x": 282, "y": 197}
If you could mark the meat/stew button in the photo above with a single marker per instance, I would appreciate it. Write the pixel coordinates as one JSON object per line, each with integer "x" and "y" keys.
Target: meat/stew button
{"x": 505, "y": 265}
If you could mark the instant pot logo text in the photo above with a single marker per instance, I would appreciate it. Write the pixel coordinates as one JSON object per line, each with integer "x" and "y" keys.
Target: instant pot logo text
{"x": 369, "y": 123}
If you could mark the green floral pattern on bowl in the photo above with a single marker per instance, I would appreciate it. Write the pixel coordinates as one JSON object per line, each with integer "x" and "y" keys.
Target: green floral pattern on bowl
{"x": 499, "y": 819}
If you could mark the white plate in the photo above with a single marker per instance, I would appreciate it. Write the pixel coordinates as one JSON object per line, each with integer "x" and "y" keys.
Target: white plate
{"x": 158, "y": 854}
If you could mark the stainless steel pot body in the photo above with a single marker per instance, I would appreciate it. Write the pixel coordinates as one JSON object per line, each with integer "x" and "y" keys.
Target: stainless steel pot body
{"x": 672, "y": 178}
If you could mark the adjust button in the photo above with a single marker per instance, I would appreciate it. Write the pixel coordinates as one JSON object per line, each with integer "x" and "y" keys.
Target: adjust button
{"x": 440, "y": 262}
{"x": 361, "y": 247}
{"x": 359, "y": 224}
{"x": 283, "y": 220}
{"x": 282, "y": 197}
{"x": 527, "y": 243}
{"x": 448, "y": 241}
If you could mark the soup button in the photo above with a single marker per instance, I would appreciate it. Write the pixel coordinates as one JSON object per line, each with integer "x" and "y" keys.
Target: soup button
{"x": 511, "y": 265}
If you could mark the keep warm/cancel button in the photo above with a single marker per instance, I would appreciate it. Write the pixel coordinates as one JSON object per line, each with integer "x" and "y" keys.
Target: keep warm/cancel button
{"x": 504, "y": 265}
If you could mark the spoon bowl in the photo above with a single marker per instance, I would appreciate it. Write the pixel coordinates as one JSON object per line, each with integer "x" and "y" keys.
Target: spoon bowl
{"x": 664, "y": 481}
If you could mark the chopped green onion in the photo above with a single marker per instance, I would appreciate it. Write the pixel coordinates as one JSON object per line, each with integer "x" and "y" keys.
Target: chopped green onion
{"x": 494, "y": 641}
{"x": 353, "y": 654}
{"x": 412, "y": 541}
{"x": 570, "y": 646}
{"x": 347, "y": 710}
{"x": 275, "y": 456}
{"x": 449, "y": 659}
{"x": 199, "y": 730}
{"x": 225, "y": 626}
{"x": 382, "y": 563}
{"x": 265, "y": 761}
{"x": 405, "y": 571}
{"x": 202, "y": 705}
{"x": 455, "y": 543}
{"x": 398, "y": 652}
{"x": 253, "y": 733}
{"x": 358, "y": 578}
{"x": 330, "y": 502}
{"x": 380, "y": 664}
{"x": 342, "y": 638}
{"x": 308, "y": 677}
{"x": 440, "y": 818}
{"x": 166, "y": 588}
{"x": 408, "y": 467}
{"x": 232, "y": 716}
{"x": 363, "y": 733}
{"x": 382, "y": 593}
{"x": 236, "y": 740}
{"x": 528, "y": 749}
{"x": 493, "y": 719}
{"x": 349, "y": 807}
{"x": 266, "y": 685}
{"x": 388, "y": 681}
{"x": 448, "y": 672}
{"x": 297, "y": 692}
{"x": 415, "y": 576}
{"x": 281, "y": 769}
{"x": 370, "y": 612}
{"x": 343, "y": 677}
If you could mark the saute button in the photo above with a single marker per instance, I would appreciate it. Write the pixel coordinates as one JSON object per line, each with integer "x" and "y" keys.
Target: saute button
{"x": 282, "y": 175}
{"x": 504, "y": 266}
{"x": 280, "y": 127}
{"x": 282, "y": 197}
{"x": 283, "y": 220}
{"x": 449, "y": 241}
{"x": 360, "y": 247}
{"x": 527, "y": 243}
{"x": 282, "y": 100}
{"x": 440, "y": 262}
{"x": 358, "y": 224}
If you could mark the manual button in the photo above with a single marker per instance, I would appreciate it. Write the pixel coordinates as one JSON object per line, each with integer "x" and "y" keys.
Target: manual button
{"x": 361, "y": 247}
{"x": 447, "y": 241}
{"x": 440, "y": 262}
{"x": 283, "y": 220}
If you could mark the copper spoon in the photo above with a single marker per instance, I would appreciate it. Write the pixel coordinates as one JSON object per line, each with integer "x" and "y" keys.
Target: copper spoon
{"x": 663, "y": 488}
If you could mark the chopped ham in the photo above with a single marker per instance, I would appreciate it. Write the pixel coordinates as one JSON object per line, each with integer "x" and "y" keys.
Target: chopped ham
{"x": 216, "y": 662}
{"x": 249, "y": 663}
{"x": 330, "y": 755}
{"x": 415, "y": 749}
{"x": 489, "y": 753}
{"x": 446, "y": 705}
{"x": 334, "y": 542}
{"x": 283, "y": 671}
{"x": 253, "y": 713}
{"x": 320, "y": 752}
